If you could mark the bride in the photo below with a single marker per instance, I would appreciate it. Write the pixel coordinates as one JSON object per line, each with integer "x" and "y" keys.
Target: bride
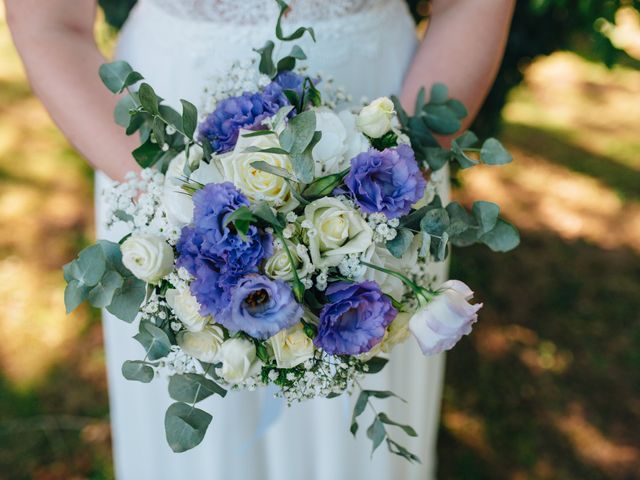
{"x": 367, "y": 46}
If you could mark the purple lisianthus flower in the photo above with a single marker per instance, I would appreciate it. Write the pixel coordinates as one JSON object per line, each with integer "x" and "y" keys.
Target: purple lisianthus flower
{"x": 355, "y": 319}
{"x": 260, "y": 307}
{"x": 216, "y": 255}
{"x": 247, "y": 111}
{"x": 388, "y": 182}
{"x": 287, "y": 80}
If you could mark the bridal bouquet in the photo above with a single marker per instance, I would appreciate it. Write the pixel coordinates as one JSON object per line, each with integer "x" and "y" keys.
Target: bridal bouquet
{"x": 282, "y": 238}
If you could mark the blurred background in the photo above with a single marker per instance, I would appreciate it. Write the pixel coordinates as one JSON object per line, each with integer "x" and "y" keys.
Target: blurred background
{"x": 547, "y": 386}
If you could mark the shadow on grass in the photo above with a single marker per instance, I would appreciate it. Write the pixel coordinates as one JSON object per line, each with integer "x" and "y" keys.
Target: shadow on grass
{"x": 58, "y": 428}
{"x": 547, "y": 385}
{"x": 558, "y": 149}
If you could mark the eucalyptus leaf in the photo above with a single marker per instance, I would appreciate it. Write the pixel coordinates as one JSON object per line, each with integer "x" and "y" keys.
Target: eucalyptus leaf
{"x": 376, "y": 364}
{"x": 441, "y": 119}
{"x": 323, "y": 186}
{"x": 185, "y": 426}
{"x": 148, "y": 98}
{"x": 117, "y": 75}
{"x": 263, "y": 211}
{"x": 127, "y": 299}
{"x": 74, "y": 295}
{"x": 273, "y": 170}
{"x": 193, "y": 388}
{"x": 358, "y": 409}
{"x": 266, "y": 65}
{"x": 493, "y": 153}
{"x": 401, "y": 243}
{"x": 407, "y": 428}
{"x": 299, "y": 133}
{"x": 189, "y": 118}
{"x": 502, "y": 238}
{"x": 284, "y": 7}
{"x": 138, "y": 371}
{"x": 376, "y": 433}
{"x": 102, "y": 294}
{"x": 436, "y": 157}
{"x": 154, "y": 340}
{"x": 147, "y": 154}
{"x": 89, "y": 267}
{"x": 158, "y": 127}
{"x": 486, "y": 213}
{"x": 123, "y": 111}
{"x": 439, "y": 93}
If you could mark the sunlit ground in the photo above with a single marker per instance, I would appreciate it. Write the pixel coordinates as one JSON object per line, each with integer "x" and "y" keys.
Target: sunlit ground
{"x": 546, "y": 387}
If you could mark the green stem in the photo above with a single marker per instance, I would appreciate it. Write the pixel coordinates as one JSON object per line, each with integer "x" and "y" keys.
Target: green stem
{"x": 298, "y": 288}
{"x": 421, "y": 294}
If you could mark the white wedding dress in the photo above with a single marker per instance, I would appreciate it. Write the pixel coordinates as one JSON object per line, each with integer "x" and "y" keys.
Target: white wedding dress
{"x": 367, "y": 46}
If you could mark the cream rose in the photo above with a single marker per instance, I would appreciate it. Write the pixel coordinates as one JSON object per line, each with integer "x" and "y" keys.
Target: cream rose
{"x": 356, "y": 141}
{"x": 338, "y": 230}
{"x": 256, "y": 184}
{"x": 375, "y": 119}
{"x": 187, "y": 309}
{"x": 291, "y": 347}
{"x": 239, "y": 360}
{"x": 178, "y": 205}
{"x": 148, "y": 257}
{"x": 279, "y": 265}
{"x": 204, "y": 344}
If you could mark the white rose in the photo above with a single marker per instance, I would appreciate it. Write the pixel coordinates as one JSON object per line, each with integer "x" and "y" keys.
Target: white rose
{"x": 328, "y": 153}
{"x": 179, "y": 205}
{"x": 148, "y": 257}
{"x": 379, "y": 255}
{"x": 203, "y": 345}
{"x": 338, "y": 230}
{"x": 256, "y": 184}
{"x": 441, "y": 324}
{"x": 187, "y": 309}
{"x": 239, "y": 361}
{"x": 397, "y": 331}
{"x": 356, "y": 141}
{"x": 291, "y": 347}
{"x": 375, "y": 119}
{"x": 279, "y": 266}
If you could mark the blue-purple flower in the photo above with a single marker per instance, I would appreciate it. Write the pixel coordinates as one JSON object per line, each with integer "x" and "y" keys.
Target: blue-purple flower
{"x": 355, "y": 318}
{"x": 388, "y": 182}
{"x": 247, "y": 111}
{"x": 260, "y": 307}
{"x": 287, "y": 80}
{"x": 216, "y": 255}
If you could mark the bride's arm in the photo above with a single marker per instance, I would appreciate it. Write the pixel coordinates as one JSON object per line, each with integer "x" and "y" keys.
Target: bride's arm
{"x": 56, "y": 43}
{"x": 462, "y": 48}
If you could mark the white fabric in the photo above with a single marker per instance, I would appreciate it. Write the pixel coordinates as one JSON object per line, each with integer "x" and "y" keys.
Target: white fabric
{"x": 367, "y": 50}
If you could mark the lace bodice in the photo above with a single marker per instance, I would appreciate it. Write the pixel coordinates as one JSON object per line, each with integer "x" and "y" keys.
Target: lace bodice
{"x": 258, "y": 11}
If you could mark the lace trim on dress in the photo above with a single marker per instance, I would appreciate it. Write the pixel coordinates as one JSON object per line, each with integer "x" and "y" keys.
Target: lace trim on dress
{"x": 251, "y": 12}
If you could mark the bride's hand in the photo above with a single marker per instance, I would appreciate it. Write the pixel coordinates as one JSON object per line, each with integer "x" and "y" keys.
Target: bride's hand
{"x": 462, "y": 48}
{"x": 56, "y": 43}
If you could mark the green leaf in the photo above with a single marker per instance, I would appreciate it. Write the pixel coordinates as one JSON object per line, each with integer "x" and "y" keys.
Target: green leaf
{"x": 441, "y": 119}
{"x": 358, "y": 410}
{"x": 102, "y": 294}
{"x": 88, "y": 268}
{"x": 138, "y": 371}
{"x": 274, "y": 150}
{"x": 402, "y": 113}
{"x": 193, "y": 388}
{"x": 158, "y": 130}
{"x": 266, "y": 65}
{"x": 147, "y": 154}
{"x": 436, "y": 157}
{"x": 376, "y": 364}
{"x": 189, "y": 118}
{"x": 502, "y": 238}
{"x": 241, "y": 218}
{"x": 185, "y": 426}
{"x": 154, "y": 340}
{"x": 273, "y": 170}
{"x": 299, "y": 132}
{"x": 401, "y": 243}
{"x": 493, "y": 153}
{"x": 398, "y": 449}
{"x": 407, "y": 428}
{"x": 376, "y": 433}
{"x": 458, "y": 108}
{"x": 323, "y": 186}
{"x": 118, "y": 75}
{"x": 74, "y": 295}
{"x": 486, "y": 213}
{"x": 420, "y": 99}
{"x": 122, "y": 114}
{"x": 435, "y": 221}
{"x": 127, "y": 299}
{"x": 457, "y": 148}
{"x": 148, "y": 99}
{"x": 288, "y": 63}
{"x": 439, "y": 93}
{"x": 259, "y": 133}
{"x": 296, "y": 34}
{"x": 263, "y": 211}
{"x": 383, "y": 394}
